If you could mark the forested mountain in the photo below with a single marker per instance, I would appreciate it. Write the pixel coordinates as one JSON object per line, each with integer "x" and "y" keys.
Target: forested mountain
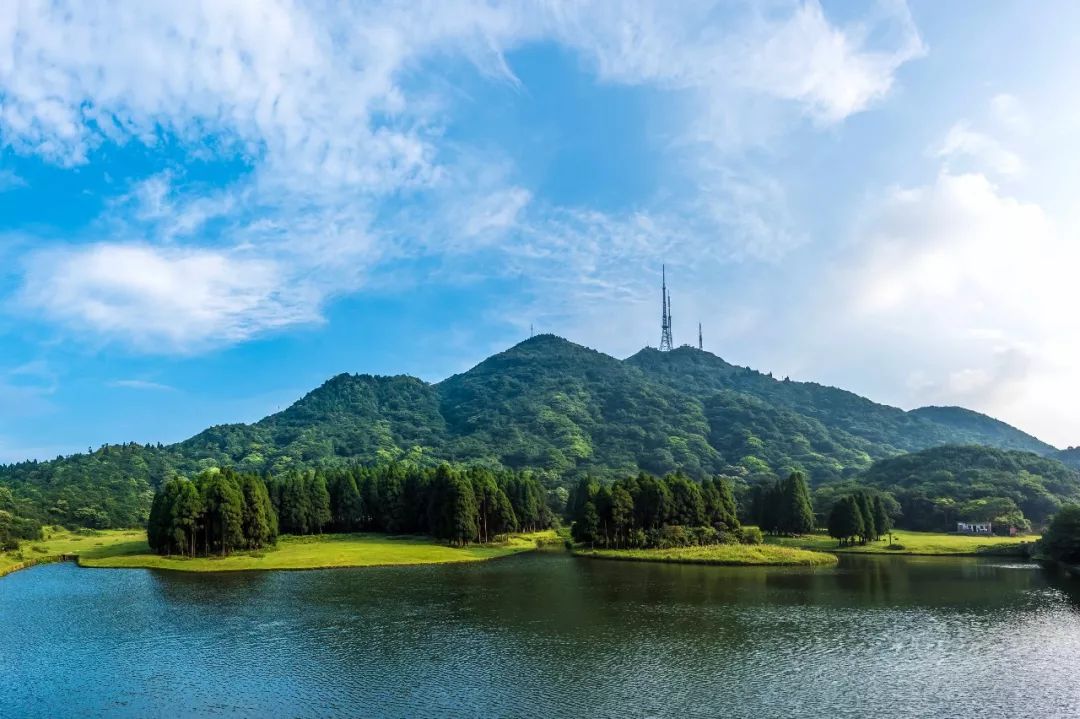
{"x": 887, "y": 430}
{"x": 545, "y": 404}
{"x": 974, "y": 428}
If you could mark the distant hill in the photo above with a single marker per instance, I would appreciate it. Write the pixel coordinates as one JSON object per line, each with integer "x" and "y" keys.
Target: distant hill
{"x": 938, "y": 486}
{"x": 546, "y": 404}
{"x": 1070, "y": 456}
{"x": 970, "y": 427}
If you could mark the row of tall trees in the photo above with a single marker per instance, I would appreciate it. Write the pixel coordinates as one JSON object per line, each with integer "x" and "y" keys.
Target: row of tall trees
{"x": 225, "y": 511}
{"x": 859, "y": 517}
{"x": 218, "y": 513}
{"x": 460, "y": 505}
{"x": 783, "y": 507}
{"x": 643, "y": 511}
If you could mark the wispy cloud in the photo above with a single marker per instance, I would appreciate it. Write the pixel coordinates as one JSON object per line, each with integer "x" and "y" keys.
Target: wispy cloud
{"x": 10, "y": 181}
{"x": 141, "y": 384}
{"x": 962, "y": 143}
{"x": 343, "y": 141}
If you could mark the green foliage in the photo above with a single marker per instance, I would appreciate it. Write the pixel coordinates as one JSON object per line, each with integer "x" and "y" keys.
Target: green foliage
{"x": 796, "y": 511}
{"x": 938, "y": 487}
{"x": 750, "y": 535}
{"x": 1061, "y": 541}
{"x": 219, "y": 513}
{"x": 560, "y": 410}
{"x": 646, "y": 511}
{"x": 783, "y": 507}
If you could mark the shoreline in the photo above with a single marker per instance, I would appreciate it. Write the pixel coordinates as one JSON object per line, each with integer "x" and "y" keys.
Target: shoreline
{"x": 119, "y": 549}
{"x": 720, "y": 555}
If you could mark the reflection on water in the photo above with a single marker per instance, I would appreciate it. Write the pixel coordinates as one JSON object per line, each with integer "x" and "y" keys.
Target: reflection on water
{"x": 545, "y": 635}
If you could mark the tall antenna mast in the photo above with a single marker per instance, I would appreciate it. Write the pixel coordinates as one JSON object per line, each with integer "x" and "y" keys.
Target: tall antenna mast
{"x": 665, "y": 320}
{"x": 700, "y": 344}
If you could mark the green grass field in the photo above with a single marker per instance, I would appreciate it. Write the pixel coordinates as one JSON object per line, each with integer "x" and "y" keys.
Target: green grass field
{"x": 123, "y": 548}
{"x": 60, "y": 542}
{"x": 923, "y": 543}
{"x": 719, "y": 554}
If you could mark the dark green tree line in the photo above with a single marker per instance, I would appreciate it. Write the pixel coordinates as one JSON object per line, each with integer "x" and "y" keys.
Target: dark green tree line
{"x": 647, "y": 511}
{"x": 783, "y": 507}
{"x": 218, "y": 513}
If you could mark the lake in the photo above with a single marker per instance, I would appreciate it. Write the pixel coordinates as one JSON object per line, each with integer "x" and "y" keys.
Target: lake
{"x": 545, "y": 635}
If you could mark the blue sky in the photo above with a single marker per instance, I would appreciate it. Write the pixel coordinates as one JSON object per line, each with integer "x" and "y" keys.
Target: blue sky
{"x": 208, "y": 209}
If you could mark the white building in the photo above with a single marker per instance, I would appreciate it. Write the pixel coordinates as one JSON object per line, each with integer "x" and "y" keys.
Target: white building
{"x": 974, "y": 528}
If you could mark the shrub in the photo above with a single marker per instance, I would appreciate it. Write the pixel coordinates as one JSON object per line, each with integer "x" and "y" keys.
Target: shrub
{"x": 750, "y": 535}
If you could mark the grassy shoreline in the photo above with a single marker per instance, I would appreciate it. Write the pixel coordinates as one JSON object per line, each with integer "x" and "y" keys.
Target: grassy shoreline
{"x": 127, "y": 549}
{"x": 927, "y": 544}
{"x": 726, "y": 555}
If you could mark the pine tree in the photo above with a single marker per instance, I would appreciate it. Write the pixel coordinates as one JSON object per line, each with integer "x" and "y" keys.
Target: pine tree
{"x": 796, "y": 514}
{"x": 187, "y": 516}
{"x": 622, "y": 514}
{"x": 224, "y": 512}
{"x": 844, "y": 520}
{"x": 866, "y": 509}
{"x": 346, "y": 508}
{"x": 259, "y": 520}
{"x": 882, "y": 520}
{"x": 319, "y": 501}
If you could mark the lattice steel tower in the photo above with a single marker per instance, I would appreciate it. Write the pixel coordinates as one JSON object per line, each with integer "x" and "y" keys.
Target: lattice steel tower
{"x": 666, "y": 342}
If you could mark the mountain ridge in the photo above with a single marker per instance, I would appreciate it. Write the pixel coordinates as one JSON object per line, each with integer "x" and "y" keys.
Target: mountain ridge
{"x": 561, "y": 409}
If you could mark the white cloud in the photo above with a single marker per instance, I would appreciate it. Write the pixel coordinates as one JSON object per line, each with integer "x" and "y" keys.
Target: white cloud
{"x": 963, "y": 143}
{"x": 330, "y": 109}
{"x": 163, "y": 299}
{"x": 793, "y": 54}
{"x": 968, "y": 295}
{"x": 829, "y": 69}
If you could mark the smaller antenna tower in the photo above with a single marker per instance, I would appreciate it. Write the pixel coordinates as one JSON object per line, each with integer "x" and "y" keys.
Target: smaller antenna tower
{"x": 700, "y": 344}
{"x": 666, "y": 342}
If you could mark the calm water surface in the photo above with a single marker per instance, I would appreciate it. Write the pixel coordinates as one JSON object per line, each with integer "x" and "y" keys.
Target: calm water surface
{"x": 544, "y": 635}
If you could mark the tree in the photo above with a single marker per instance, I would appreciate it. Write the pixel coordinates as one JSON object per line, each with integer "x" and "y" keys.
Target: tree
{"x": 158, "y": 525}
{"x": 495, "y": 515}
{"x": 652, "y": 504}
{"x": 587, "y": 528}
{"x": 346, "y": 506}
{"x": 882, "y": 520}
{"x": 687, "y": 508}
{"x": 622, "y": 514}
{"x": 319, "y": 501}
{"x": 866, "y": 511}
{"x": 845, "y": 522}
{"x": 796, "y": 515}
{"x": 295, "y": 514}
{"x": 224, "y": 507}
{"x": 1061, "y": 541}
{"x": 260, "y": 524}
{"x": 720, "y": 505}
{"x": 187, "y": 515}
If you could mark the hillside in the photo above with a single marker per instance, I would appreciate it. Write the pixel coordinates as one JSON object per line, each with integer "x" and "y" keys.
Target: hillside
{"x": 546, "y": 404}
{"x": 1070, "y": 456}
{"x": 888, "y": 430}
{"x": 969, "y": 427}
{"x": 939, "y": 486}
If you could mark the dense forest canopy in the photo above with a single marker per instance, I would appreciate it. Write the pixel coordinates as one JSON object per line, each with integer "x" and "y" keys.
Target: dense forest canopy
{"x": 222, "y": 511}
{"x": 564, "y": 412}
{"x": 937, "y": 487}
